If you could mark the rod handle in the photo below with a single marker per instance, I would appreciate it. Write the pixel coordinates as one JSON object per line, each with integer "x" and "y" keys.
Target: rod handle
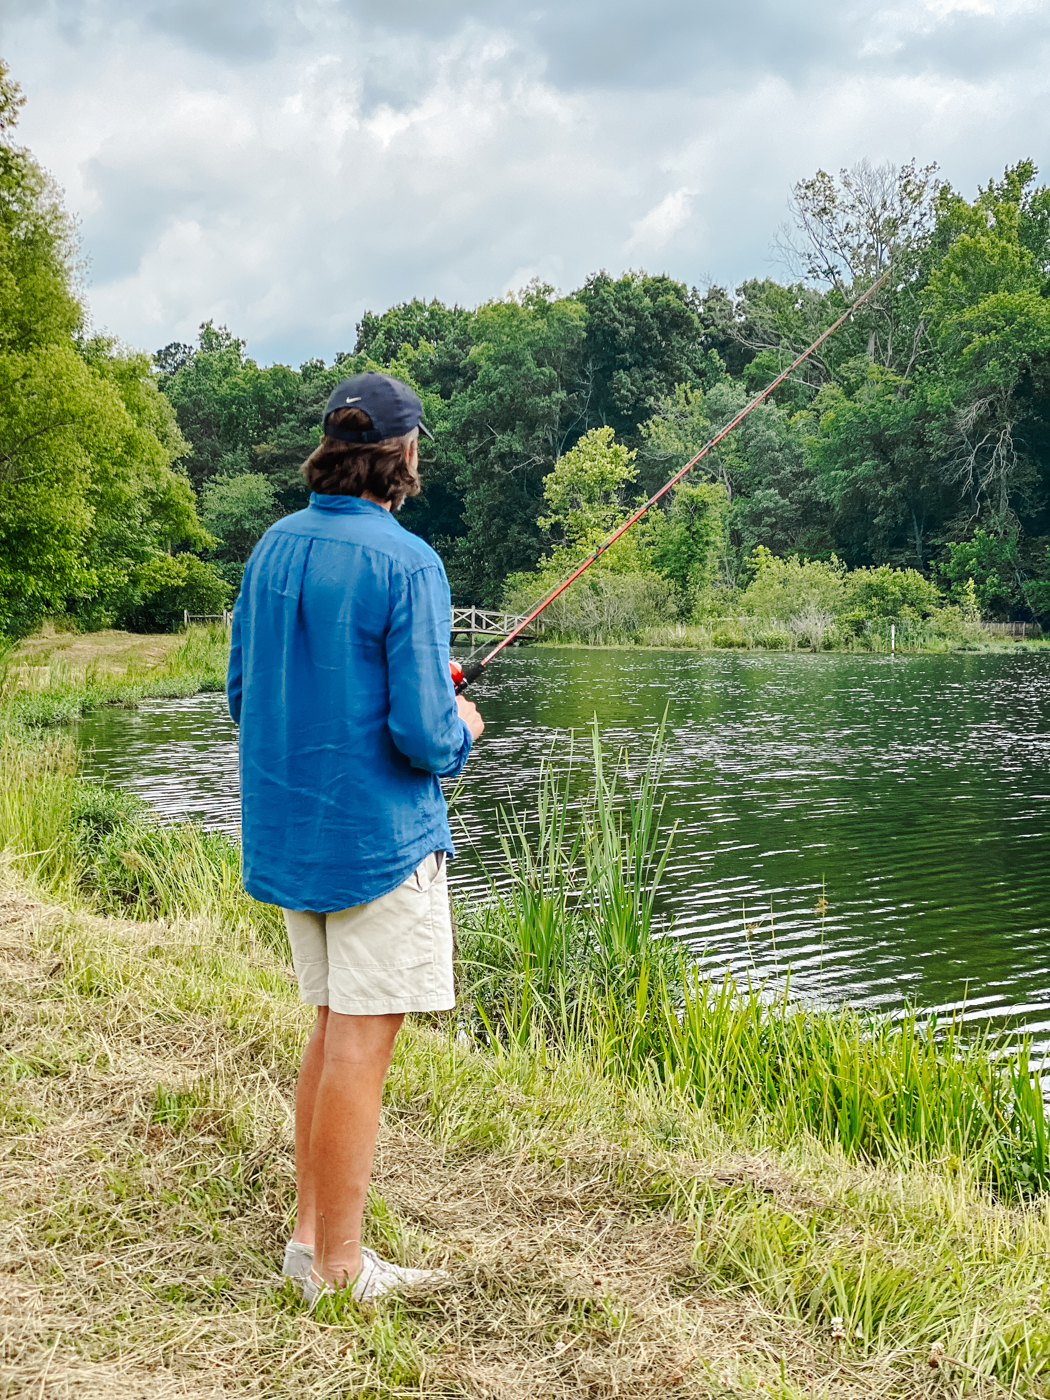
{"x": 462, "y": 676}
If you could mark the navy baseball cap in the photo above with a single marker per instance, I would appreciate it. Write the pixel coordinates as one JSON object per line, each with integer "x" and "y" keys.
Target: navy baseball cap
{"x": 393, "y": 407}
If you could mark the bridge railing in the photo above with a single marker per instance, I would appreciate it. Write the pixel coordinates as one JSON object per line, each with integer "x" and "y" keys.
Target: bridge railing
{"x": 1013, "y": 629}
{"x": 485, "y": 622}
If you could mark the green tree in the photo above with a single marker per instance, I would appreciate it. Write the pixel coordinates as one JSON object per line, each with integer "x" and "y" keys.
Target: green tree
{"x": 644, "y": 336}
{"x": 238, "y": 510}
{"x": 621, "y": 593}
{"x": 876, "y": 455}
{"x": 161, "y": 589}
{"x": 585, "y": 491}
{"x": 507, "y": 429}
{"x": 447, "y": 332}
{"x": 88, "y": 496}
{"x": 990, "y": 317}
{"x": 226, "y": 405}
{"x": 430, "y": 344}
{"x": 1037, "y": 590}
{"x": 991, "y": 564}
{"x": 772, "y": 494}
{"x": 688, "y": 541}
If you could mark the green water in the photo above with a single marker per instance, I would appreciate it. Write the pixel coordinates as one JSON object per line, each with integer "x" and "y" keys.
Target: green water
{"x": 912, "y": 793}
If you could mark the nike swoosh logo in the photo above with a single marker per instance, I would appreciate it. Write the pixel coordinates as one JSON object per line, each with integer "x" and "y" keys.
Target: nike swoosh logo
{"x": 357, "y": 400}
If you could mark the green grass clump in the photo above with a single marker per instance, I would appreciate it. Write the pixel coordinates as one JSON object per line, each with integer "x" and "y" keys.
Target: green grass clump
{"x": 576, "y": 922}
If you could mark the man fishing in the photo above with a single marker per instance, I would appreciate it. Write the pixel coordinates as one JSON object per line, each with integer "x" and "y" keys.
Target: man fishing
{"x": 339, "y": 680}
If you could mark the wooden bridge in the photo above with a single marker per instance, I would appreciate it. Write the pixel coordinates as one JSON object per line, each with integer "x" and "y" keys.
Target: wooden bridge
{"x": 476, "y": 622}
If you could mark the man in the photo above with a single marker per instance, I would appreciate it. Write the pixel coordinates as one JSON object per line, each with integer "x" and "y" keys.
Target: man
{"x": 339, "y": 680}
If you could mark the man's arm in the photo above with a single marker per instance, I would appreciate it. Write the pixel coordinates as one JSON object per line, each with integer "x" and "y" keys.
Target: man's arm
{"x": 424, "y": 719}
{"x": 235, "y": 670}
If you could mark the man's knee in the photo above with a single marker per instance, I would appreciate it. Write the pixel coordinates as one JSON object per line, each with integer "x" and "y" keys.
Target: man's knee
{"x": 359, "y": 1039}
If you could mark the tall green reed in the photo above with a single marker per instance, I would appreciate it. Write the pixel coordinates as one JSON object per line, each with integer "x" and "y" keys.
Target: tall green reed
{"x": 573, "y": 920}
{"x": 569, "y": 952}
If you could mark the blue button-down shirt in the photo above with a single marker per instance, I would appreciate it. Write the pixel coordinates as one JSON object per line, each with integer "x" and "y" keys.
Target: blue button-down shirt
{"x": 340, "y": 683}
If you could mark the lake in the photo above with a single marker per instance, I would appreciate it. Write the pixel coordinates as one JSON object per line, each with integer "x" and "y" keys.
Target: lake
{"x": 910, "y": 793}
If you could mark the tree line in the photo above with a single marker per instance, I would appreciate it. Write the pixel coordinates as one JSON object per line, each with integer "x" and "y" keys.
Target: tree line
{"x": 918, "y": 438}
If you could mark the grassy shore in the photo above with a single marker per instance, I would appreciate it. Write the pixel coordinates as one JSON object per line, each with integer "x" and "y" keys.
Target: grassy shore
{"x": 762, "y": 1203}
{"x": 747, "y": 634}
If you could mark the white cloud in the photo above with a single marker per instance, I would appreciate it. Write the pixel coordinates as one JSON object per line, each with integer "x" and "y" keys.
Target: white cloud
{"x": 340, "y": 170}
{"x": 656, "y": 229}
{"x": 891, "y": 28}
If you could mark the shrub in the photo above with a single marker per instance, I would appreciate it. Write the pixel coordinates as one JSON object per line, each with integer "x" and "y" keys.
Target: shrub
{"x": 165, "y": 587}
{"x": 603, "y": 606}
{"x": 887, "y": 592}
{"x": 991, "y": 565}
{"x": 782, "y": 589}
{"x": 812, "y": 625}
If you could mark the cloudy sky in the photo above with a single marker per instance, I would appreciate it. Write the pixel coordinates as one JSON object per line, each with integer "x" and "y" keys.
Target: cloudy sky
{"x": 282, "y": 165}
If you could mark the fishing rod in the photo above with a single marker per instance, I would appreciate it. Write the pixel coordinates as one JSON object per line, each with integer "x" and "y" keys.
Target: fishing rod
{"x": 462, "y": 676}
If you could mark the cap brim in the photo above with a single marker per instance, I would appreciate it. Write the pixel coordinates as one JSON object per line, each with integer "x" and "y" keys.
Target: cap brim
{"x": 426, "y": 432}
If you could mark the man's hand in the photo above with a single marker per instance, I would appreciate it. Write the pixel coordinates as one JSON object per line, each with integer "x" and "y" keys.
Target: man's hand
{"x": 468, "y": 713}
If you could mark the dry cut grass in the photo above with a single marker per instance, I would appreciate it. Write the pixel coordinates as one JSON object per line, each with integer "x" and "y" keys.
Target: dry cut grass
{"x": 602, "y": 1241}
{"x": 109, "y": 651}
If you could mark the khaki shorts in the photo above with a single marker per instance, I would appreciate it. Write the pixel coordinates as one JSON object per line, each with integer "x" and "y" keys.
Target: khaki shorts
{"x": 393, "y": 954}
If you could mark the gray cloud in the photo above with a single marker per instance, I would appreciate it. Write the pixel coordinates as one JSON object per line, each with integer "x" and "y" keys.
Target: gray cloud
{"x": 236, "y": 33}
{"x": 974, "y": 47}
{"x": 282, "y": 167}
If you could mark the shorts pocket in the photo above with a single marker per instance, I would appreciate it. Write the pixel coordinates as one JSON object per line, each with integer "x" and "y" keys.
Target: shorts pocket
{"x": 427, "y": 871}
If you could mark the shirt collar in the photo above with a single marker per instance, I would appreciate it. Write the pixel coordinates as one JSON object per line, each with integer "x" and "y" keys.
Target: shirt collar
{"x": 350, "y": 504}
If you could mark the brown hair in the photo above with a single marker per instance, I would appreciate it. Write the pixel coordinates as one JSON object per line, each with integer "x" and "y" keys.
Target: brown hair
{"x": 350, "y": 468}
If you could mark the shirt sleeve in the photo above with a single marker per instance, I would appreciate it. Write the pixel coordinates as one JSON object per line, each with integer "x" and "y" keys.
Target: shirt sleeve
{"x": 423, "y": 720}
{"x": 235, "y": 670}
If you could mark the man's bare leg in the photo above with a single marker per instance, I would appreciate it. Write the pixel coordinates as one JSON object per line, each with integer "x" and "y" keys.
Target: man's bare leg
{"x": 355, "y": 1056}
{"x": 305, "y": 1098}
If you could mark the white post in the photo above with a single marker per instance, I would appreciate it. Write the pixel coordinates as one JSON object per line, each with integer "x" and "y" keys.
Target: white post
{"x": 893, "y": 637}
{"x": 185, "y": 617}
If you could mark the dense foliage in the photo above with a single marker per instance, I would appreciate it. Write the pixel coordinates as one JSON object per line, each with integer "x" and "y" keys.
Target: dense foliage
{"x": 94, "y": 519}
{"x": 918, "y": 439}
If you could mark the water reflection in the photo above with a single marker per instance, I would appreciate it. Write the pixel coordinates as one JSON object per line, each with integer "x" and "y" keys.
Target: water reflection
{"x": 911, "y": 794}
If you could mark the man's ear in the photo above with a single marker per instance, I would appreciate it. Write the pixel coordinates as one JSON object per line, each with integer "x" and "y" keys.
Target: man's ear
{"x": 412, "y": 453}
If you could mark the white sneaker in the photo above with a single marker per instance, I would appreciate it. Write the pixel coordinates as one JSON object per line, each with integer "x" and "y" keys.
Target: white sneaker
{"x": 377, "y": 1277}
{"x": 298, "y": 1260}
